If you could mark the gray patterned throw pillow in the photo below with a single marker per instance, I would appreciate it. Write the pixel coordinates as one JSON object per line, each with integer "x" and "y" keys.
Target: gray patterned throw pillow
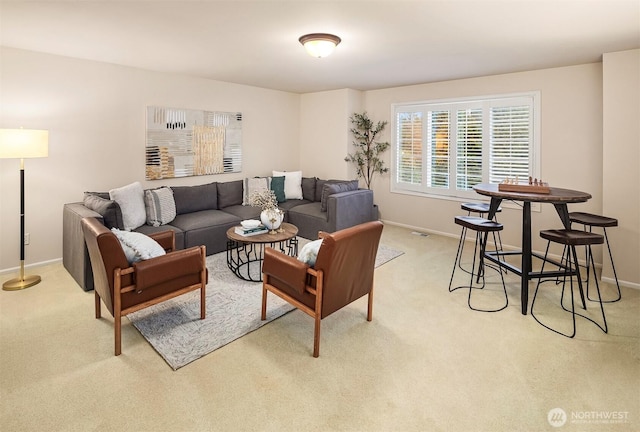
{"x": 160, "y": 206}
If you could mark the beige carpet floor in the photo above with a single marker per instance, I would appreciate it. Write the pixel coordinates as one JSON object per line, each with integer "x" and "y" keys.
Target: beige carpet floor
{"x": 425, "y": 363}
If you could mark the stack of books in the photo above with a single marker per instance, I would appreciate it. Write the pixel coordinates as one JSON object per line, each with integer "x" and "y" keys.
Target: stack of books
{"x": 260, "y": 229}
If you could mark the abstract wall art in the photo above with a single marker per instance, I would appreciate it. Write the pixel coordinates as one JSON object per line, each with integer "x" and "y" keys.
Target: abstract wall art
{"x": 184, "y": 142}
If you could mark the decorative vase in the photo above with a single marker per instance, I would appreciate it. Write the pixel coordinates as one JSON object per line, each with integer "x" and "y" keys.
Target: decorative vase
{"x": 272, "y": 219}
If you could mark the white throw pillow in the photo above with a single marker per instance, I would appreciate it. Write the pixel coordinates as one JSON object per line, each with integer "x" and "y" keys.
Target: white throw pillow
{"x": 130, "y": 198}
{"x": 309, "y": 252}
{"x": 137, "y": 246}
{"x": 292, "y": 183}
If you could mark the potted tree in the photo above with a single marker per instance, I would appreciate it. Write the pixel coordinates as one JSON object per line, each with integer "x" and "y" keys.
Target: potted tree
{"x": 366, "y": 156}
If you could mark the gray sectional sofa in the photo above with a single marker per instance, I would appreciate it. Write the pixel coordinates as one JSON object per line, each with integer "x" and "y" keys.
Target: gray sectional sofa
{"x": 205, "y": 212}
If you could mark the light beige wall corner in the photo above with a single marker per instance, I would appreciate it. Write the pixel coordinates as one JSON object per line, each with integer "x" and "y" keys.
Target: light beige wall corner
{"x": 324, "y": 132}
{"x": 95, "y": 114}
{"x": 621, "y": 162}
{"x": 571, "y": 139}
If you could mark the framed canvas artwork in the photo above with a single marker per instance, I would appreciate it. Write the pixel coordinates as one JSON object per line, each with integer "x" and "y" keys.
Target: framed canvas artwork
{"x": 185, "y": 142}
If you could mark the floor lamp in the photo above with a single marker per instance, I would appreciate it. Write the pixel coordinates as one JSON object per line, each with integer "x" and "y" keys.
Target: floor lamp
{"x": 21, "y": 144}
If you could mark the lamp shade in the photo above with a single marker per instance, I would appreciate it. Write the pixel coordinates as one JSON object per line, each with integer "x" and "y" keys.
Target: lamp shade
{"x": 23, "y": 143}
{"x": 319, "y": 44}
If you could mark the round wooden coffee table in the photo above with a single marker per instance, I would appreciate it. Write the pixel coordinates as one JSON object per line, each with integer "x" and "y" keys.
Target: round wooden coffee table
{"x": 246, "y": 253}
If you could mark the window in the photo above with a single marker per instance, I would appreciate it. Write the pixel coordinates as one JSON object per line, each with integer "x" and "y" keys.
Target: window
{"x": 446, "y": 147}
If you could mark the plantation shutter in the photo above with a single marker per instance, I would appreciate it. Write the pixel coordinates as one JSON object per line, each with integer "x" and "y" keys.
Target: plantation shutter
{"x": 438, "y": 155}
{"x": 446, "y": 147}
{"x": 409, "y": 149}
{"x": 510, "y": 143}
{"x": 468, "y": 148}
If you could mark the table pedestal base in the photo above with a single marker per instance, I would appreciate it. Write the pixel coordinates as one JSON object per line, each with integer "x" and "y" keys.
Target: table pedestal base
{"x": 245, "y": 259}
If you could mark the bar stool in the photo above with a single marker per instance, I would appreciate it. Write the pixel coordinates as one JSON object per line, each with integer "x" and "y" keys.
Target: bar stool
{"x": 482, "y": 227}
{"x": 604, "y": 222}
{"x": 570, "y": 239}
{"x": 481, "y": 209}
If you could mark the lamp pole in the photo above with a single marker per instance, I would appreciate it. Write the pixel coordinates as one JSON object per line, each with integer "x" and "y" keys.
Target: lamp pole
{"x": 21, "y": 144}
{"x": 22, "y": 281}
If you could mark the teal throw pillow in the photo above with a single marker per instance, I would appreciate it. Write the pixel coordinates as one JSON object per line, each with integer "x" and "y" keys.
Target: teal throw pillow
{"x": 277, "y": 186}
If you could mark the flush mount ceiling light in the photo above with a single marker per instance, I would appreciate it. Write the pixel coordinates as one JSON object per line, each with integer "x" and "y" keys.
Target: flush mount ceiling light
{"x": 319, "y": 44}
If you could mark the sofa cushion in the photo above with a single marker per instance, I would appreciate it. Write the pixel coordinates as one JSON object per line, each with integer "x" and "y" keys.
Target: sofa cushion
{"x": 309, "y": 220}
{"x": 309, "y": 188}
{"x": 130, "y": 198}
{"x": 108, "y": 209}
{"x": 104, "y": 195}
{"x": 319, "y": 185}
{"x": 229, "y": 193}
{"x": 251, "y": 185}
{"x": 137, "y": 246}
{"x": 289, "y": 204}
{"x": 177, "y": 232}
{"x": 160, "y": 206}
{"x": 204, "y": 219}
{"x": 191, "y": 199}
{"x": 333, "y": 188}
{"x": 244, "y": 212}
{"x": 292, "y": 183}
{"x": 277, "y": 186}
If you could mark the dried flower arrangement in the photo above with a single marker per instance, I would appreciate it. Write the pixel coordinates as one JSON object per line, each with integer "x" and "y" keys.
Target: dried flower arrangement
{"x": 264, "y": 198}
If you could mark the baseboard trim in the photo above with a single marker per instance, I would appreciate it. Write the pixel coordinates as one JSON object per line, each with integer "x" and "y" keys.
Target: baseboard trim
{"x": 29, "y": 266}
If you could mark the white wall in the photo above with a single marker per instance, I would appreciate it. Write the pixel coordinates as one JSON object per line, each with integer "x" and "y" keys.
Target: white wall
{"x": 324, "y": 133}
{"x": 621, "y": 161}
{"x": 95, "y": 114}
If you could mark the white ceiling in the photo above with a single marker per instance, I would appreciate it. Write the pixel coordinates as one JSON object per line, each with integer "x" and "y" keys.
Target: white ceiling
{"x": 384, "y": 43}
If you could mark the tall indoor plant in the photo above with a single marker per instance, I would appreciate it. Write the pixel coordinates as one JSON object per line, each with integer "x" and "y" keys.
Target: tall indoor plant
{"x": 366, "y": 157}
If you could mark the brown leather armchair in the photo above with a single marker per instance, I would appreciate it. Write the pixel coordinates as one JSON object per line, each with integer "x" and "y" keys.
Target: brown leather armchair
{"x": 128, "y": 288}
{"x": 343, "y": 273}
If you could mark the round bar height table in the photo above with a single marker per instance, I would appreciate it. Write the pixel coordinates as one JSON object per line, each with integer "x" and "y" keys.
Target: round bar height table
{"x": 557, "y": 196}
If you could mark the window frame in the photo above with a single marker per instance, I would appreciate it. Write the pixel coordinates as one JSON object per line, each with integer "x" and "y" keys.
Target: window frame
{"x": 453, "y": 105}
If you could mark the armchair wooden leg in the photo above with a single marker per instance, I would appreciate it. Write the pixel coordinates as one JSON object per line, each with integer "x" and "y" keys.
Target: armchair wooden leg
{"x": 316, "y": 337}
{"x": 97, "y": 300}
{"x": 118, "y": 333}
{"x": 264, "y": 297}
{"x": 117, "y": 312}
{"x": 203, "y": 302}
{"x": 203, "y": 277}
{"x": 370, "y": 306}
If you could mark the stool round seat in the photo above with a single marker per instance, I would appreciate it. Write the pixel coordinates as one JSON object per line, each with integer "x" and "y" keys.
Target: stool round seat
{"x": 478, "y": 224}
{"x": 477, "y": 207}
{"x": 572, "y": 237}
{"x": 592, "y": 219}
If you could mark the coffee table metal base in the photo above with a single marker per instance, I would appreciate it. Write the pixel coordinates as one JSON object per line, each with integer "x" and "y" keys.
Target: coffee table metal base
{"x": 245, "y": 259}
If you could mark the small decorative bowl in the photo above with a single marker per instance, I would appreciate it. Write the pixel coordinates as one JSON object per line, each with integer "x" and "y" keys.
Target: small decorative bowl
{"x": 250, "y": 223}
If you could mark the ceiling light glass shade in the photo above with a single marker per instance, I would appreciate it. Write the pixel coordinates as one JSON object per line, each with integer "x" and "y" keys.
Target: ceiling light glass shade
{"x": 319, "y": 44}
{"x": 23, "y": 143}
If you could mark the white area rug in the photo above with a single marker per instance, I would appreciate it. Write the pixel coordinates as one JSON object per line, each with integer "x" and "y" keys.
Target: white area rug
{"x": 177, "y": 333}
